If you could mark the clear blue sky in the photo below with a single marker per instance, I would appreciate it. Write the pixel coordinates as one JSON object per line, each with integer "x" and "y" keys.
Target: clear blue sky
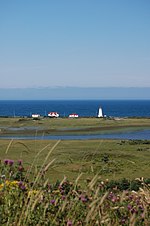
{"x": 83, "y": 43}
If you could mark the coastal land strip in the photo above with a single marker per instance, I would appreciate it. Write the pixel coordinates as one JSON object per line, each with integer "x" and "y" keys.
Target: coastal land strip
{"x": 66, "y": 126}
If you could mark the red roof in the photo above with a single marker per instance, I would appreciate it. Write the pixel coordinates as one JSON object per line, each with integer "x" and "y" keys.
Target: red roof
{"x": 52, "y": 112}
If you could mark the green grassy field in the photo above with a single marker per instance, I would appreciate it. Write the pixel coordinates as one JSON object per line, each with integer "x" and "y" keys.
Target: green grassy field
{"x": 109, "y": 158}
{"x": 66, "y": 125}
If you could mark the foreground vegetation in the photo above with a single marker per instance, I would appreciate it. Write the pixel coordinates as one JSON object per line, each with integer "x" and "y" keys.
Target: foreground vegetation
{"x": 36, "y": 201}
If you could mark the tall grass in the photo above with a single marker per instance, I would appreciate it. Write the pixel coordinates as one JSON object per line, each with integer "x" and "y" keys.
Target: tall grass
{"x": 28, "y": 198}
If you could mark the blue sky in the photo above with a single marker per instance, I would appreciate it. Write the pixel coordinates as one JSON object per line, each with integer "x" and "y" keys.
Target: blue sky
{"x": 80, "y": 43}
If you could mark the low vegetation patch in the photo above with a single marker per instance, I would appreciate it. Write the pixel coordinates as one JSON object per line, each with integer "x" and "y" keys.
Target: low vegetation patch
{"x": 110, "y": 159}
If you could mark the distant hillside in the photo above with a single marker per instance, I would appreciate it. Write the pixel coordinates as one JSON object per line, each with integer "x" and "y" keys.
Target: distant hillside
{"x": 52, "y": 93}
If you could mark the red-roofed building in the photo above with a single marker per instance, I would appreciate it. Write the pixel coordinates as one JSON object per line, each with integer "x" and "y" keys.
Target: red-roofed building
{"x": 73, "y": 115}
{"x": 53, "y": 114}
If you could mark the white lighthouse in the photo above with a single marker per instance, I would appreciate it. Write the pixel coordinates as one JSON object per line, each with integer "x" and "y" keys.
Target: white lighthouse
{"x": 100, "y": 113}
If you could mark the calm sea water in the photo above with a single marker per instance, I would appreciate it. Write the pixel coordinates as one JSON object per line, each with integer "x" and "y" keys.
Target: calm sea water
{"x": 85, "y": 108}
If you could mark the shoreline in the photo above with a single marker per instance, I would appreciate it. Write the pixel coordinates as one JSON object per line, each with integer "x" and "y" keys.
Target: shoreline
{"x": 70, "y": 127}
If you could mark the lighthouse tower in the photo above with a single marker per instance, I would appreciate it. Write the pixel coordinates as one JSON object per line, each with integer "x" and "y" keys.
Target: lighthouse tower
{"x": 100, "y": 113}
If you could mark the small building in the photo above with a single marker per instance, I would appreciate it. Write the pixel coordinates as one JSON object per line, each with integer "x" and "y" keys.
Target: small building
{"x": 53, "y": 115}
{"x": 73, "y": 115}
{"x": 100, "y": 113}
{"x": 35, "y": 116}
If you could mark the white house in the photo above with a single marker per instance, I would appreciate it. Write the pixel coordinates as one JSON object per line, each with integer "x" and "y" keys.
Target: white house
{"x": 53, "y": 115}
{"x": 73, "y": 115}
{"x": 100, "y": 113}
{"x": 35, "y": 116}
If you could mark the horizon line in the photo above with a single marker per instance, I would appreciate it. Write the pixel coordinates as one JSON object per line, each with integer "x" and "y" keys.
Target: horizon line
{"x": 81, "y": 87}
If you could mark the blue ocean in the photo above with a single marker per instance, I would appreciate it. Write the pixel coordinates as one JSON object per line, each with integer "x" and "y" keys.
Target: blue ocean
{"x": 84, "y": 108}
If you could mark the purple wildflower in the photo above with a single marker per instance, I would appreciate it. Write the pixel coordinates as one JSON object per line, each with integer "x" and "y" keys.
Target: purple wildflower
{"x": 110, "y": 196}
{"x": 52, "y": 201}
{"x": 114, "y": 199}
{"x": 20, "y": 183}
{"x": 141, "y": 207}
{"x": 129, "y": 207}
{"x": 63, "y": 197}
{"x": 133, "y": 210}
{"x": 10, "y": 162}
{"x": 83, "y": 199}
{"x": 22, "y": 186}
{"x": 6, "y": 161}
{"x": 130, "y": 197}
{"x": 69, "y": 223}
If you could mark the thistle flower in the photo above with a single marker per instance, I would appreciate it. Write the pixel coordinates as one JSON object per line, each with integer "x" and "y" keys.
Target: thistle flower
{"x": 6, "y": 161}
{"x": 63, "y": 197}
{"x": 141, "y": 207}
{"x": 69, "y": 223}
{"x": 129, "y": 207}
{"x": 10, "y": 162}
{"x": 82, "y": 198}
{"x": 133, "y": 210}
{"x": 52, "y": 201}
{"x": 22, "y": 186}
